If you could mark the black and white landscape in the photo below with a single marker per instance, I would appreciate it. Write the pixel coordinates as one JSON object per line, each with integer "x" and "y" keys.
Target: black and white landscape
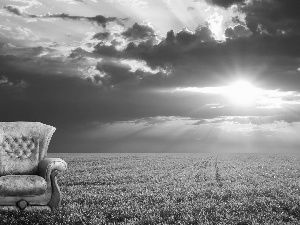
{"x": 160, "y": 76}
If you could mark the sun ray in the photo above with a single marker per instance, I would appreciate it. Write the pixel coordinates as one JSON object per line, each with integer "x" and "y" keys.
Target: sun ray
{"x": 242, "y": 93}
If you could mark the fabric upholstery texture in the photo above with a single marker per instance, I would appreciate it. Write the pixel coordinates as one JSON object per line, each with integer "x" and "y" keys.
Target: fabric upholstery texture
{"x": 22, "y": 185}
{"x": 22, "y": 146}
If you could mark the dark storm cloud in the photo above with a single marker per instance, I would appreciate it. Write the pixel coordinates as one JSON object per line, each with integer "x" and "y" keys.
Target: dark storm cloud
{"x": 169, "y": 50}
{"x": 274, "y": 16}
{"x": 194, "y": 59}
{"x": 197, "y": 58}
{"x": 67, "y": 99}
{"x": 49, "y": 97}
{"x": 138, "y": 32}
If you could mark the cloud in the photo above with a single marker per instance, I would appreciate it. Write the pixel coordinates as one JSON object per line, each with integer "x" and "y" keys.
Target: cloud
{"x": 273, "y": 16}
{"x": 105, "y": 50}
{"x": 72, "y": 1}
{"x": 17, "y": 35}
{"x": 116, "y": 73}
{"x": 168, "y": 50}
{"x": 10, "y": 82}
{"x": 68, "y": 101}
{"x": 238, "y": 31}
{"x": 29, "y": 52}
{"x": 196, "y": 57}
{"x": 223, "y": 3}
{"x": 13, "y": 10}
{"x": 172, "y": 134}
{"x": 133, "y": 3}
{"x": 139, "y": 32}
{"x": 98, "y": 19}
{"x": 254, "y": 120}
{"x": 79, "y": 53}
{"x": 102, "y": 35}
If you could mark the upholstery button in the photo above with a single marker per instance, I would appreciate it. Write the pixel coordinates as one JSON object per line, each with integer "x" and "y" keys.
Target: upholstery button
{"x": 13, "y": 145}
{"x": 9, "y": 139}
{"x": 27, "y": 152}
{"x": 18, "y": 152}
{"x": 24, "y": 146}
{"x": 32, "y": 146}
{"x": 4, "y": 145}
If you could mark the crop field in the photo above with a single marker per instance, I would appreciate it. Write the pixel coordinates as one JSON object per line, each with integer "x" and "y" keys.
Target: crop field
{"x": 174, "y": 189}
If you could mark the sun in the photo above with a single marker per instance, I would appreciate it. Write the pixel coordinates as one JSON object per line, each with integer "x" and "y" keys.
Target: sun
{"x": 242, "y": 93}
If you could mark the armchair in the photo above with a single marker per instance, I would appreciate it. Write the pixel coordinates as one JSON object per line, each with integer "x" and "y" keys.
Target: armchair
{"x": 27, "y": 177}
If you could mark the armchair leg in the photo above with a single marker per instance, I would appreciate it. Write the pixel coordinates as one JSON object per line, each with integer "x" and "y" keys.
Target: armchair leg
{"x": 56, "y": 194}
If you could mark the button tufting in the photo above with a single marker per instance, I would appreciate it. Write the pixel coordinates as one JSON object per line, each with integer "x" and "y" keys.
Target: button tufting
{"x": 21, "y": 147}
{"x": 24, "y": 145}
{"x": 18, "y": 152}
{"x": 13, "y": 145}
{"x": 4, "y": 145}
{"x": 32, "y": 146}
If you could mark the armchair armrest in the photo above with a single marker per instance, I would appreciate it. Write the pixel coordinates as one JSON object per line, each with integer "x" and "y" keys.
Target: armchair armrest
{"x": 49, "y": 165}
{"x": 48, "y": 169}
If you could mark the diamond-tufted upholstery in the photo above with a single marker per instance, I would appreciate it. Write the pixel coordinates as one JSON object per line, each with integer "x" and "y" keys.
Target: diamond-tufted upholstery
{"x": 19, "y": 155}
{"x": 19, "y": 147}
{"x": 27, "y": 178}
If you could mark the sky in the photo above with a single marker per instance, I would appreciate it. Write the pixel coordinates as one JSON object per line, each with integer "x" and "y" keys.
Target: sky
{"x": 154, "y": 75}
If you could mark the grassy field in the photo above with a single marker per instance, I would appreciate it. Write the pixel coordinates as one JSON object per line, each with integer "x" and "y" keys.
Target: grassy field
{"x": 174, "y": 189}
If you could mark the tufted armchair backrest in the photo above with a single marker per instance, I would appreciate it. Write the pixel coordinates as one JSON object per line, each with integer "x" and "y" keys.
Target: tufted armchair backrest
{"x": 22, "y": 146}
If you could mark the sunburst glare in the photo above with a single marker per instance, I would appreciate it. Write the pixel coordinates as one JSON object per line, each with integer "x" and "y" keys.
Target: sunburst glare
{"x": 242, "y": 93}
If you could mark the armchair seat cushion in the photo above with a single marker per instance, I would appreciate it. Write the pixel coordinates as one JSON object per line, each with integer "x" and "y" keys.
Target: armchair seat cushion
{"x": 22, "y": 185}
